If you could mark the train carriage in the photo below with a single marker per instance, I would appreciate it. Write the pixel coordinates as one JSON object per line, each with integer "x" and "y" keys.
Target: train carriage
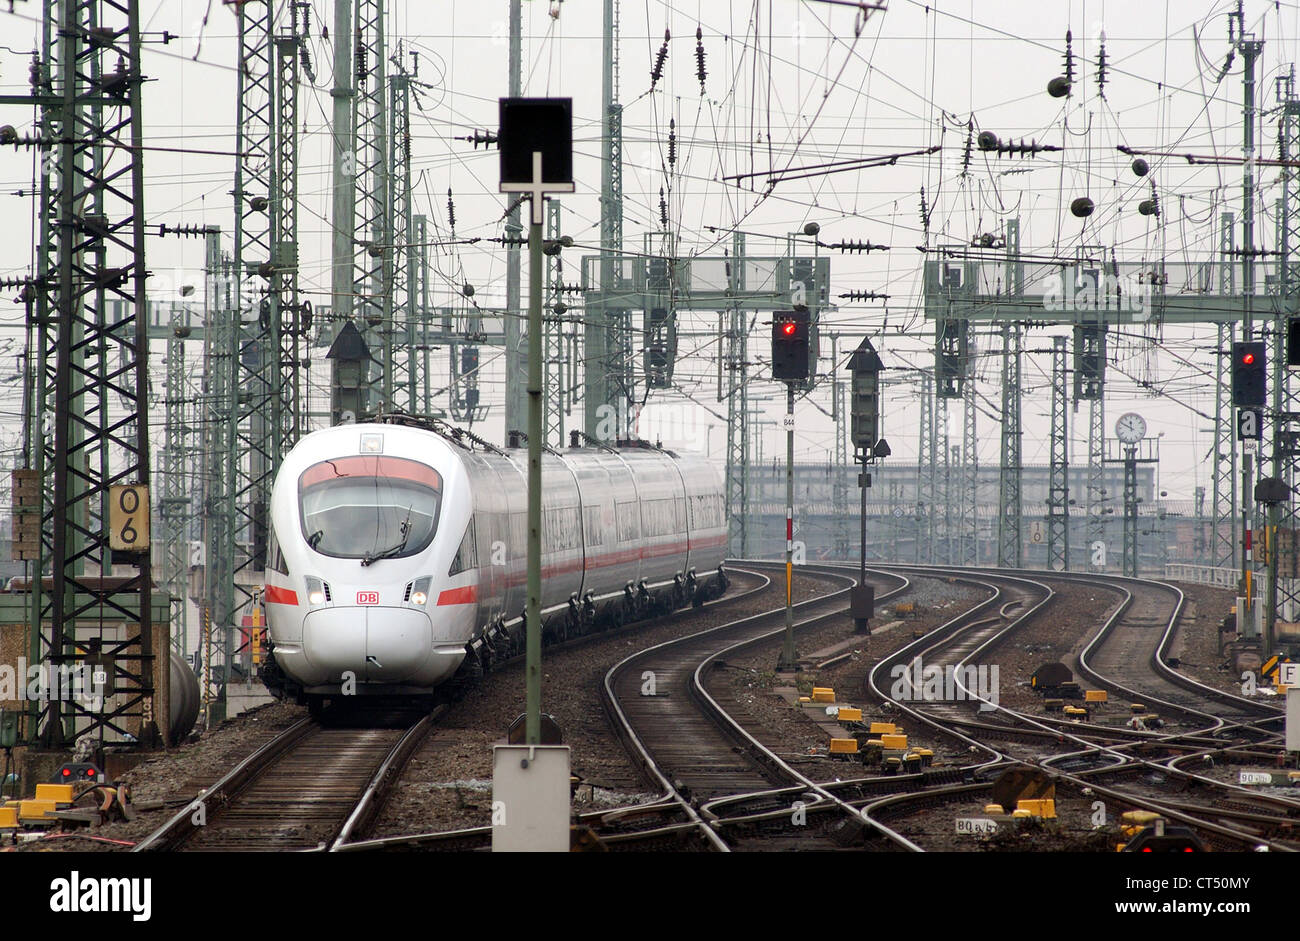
{"x": 399, "y": 553}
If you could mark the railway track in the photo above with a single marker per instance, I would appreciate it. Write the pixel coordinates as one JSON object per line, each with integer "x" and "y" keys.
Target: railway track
{"x": 1129, "y": 653}
{"x": 687, "y": 743}
{"x": 318, "y": 786}
{"x": 309, "y": 787}
{"x": 964, "y": 640}
{"x": 721, "y": 789}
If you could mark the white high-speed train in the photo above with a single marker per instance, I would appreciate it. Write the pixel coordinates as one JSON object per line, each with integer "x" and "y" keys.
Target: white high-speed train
{"x": 397, "y": 553}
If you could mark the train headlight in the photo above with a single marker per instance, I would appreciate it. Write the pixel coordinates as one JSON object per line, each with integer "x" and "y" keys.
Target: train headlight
{"x": 317, "y": 593}
{"x": 420, "y": 590}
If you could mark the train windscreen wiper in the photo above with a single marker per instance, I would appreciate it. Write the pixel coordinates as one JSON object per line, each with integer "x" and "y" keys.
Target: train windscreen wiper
{"x": 392, "y": 550}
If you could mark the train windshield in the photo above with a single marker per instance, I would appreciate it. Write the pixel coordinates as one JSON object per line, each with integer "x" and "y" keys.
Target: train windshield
{"x": 369, "y": 507}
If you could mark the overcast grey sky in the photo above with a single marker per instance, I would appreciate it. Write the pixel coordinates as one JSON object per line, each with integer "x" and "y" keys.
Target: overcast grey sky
{"x": 788, "y": 84}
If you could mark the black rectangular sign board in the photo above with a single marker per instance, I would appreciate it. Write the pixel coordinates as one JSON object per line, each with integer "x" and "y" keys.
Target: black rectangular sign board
{"x": 536, "y": 124}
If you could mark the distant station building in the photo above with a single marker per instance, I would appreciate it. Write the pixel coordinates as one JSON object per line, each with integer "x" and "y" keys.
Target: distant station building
{"x": 1169, "y": 531}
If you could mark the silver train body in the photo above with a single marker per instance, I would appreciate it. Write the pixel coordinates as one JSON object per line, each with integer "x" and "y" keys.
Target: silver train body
{"x": 397, "y": 555}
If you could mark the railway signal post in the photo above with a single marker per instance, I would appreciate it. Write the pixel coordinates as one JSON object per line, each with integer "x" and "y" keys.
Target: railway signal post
{"x": 865, "y": 365}
{"x": 1249, "y": 395}
{"x": 536, "y": 139}
{"x": 790, "y": 330}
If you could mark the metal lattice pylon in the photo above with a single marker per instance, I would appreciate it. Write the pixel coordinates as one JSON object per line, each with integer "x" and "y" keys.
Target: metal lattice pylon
{"x": 287, "y": 323}
{"x": 261, "y": 389}
{"x": 841, "y": 466}
{"x": 1285, "y": 566}
{"x": 91, "y": 379}
{"x": 1058, "y": 492}
{"x": 420, "y": 314}
{"x": 1010, "y": 544}
{"x": 925, "y": 473}
{"x": 1223, "y": 537}
{"x": 968, "y": 533}
{"x": 397, "y": 329}
{"x": 1098, "y": 499}
{"x": 176, "y": 507}
{"x": 943, "y": 491}
{"x": 370, "y": 121}
{"x": 735, "y": 368}
{"x": 219, "y": 422}
{"x": 608, "y": 354}
{"x": 554, "y": 360}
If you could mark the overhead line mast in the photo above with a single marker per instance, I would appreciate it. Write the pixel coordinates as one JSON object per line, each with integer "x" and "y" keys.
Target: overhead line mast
{"x": 90, "y": 420}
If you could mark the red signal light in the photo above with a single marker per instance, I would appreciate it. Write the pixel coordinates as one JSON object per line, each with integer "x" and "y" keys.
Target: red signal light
{"x": 789, "y": 329}
{"x": 66, "y": 772}
{"x": 1248, "y": 358}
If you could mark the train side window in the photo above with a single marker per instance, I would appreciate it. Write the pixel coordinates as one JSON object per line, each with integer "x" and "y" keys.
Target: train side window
{"x": 628, "y": 523}
{"x": 592, "y": 525}
{"x": 274, "y": 557}
{"x": 560, "y": 532}
{"x": 467, "y": 554}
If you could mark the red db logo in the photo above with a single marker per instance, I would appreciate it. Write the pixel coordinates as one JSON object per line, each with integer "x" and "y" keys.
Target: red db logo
{"x": 367, "y": 597}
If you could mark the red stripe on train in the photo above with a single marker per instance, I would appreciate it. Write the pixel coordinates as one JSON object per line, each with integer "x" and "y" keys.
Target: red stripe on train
{"x": 277, "y": 595}
{"x": 466, "y": 595}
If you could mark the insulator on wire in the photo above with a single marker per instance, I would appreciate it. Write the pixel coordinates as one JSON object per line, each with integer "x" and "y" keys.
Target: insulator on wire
{"x": 1101, "y": 66}
{"x": 857, "y": 245}
{"x": 663, "y": 209}
{"x": 190, "y": 231}
{"x": 863, "y": 296}
{"x": 1150, "y": 207}
{"x": 1227, "y": 66}
{"x": 988, "y": 141}
{"x": 304, "y": 56}
{"x": 451, "y": 211}
{"x": 700, "y": 72}
{"x": 970, "y": 140}
{"x": 925, "y": 213}
{"x": 363, "y": 69}
{"x": 672, "y": 142}
{"x": 657, "y": 72}
{"x": 1069, "y": 57}
{"x": 486, "y": 138}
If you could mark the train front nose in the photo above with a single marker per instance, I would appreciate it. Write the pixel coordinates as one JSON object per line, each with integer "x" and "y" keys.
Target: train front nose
{"x": 377, "y": 645}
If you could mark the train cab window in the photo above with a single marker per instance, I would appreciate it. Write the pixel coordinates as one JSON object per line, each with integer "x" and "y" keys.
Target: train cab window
{"x": 467, "y": 555}
{"x": 369, "y": 507}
